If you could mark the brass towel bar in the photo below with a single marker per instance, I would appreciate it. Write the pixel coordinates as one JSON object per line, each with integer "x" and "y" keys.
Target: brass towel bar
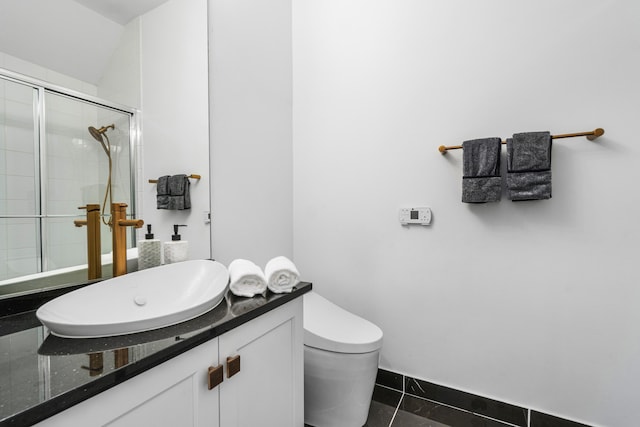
{"x": 590, "y": 136}
{"x": 192, "y": 176}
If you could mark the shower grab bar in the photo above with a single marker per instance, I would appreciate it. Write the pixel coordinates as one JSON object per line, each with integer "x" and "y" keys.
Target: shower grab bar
{"x": 192, "y": 176}
{"x": 590, "y": 136}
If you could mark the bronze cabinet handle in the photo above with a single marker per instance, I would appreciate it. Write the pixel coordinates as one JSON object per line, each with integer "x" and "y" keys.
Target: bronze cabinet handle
{"x": 215, "y": 376}
{"x": 233, "y": 365}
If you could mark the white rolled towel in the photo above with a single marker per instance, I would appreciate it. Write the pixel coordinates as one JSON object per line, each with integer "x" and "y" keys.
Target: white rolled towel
{"x": 282, "y": 275}
{"x": 246, "y": 279}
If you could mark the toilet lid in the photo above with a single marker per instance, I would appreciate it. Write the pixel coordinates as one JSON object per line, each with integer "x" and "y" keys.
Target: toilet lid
{"x": 331, "y": 328}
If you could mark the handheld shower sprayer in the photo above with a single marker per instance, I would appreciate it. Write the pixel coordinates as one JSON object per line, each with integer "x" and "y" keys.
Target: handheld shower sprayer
{"x": 100, "y": 135}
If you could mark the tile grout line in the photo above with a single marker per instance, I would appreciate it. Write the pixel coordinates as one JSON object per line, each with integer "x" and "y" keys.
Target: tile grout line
{"x": 393, "y": 417}
{"x": 528, "y": 411}
{"x": 506, "y": 423}
{"x": 402, "y": 392}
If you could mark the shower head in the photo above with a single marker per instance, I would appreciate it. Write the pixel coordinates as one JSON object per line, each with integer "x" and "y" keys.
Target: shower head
{"x": 97, "y": 133}
{"x": 100, "y": 135}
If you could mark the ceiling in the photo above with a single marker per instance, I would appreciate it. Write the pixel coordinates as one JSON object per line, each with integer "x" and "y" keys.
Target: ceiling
{"x": 121, "y": 11}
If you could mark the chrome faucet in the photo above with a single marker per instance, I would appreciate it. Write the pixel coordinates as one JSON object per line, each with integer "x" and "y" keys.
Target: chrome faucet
{"x": 119, "y": 236}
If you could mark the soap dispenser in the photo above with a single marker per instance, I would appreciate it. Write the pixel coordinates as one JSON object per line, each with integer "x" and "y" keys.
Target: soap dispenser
{"x": 177, "y": 249}
{"x": 149, "y": 251}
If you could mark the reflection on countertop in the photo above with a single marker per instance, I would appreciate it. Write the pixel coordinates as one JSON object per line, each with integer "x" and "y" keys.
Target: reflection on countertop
{"x": 41, "y": 374}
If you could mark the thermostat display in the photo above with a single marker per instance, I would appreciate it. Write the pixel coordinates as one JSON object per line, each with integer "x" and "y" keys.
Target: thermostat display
{"x": 420, "y": 216}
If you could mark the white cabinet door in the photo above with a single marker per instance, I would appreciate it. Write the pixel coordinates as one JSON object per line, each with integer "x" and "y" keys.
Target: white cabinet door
{"x": 268, "y": 389}
{"x": 266, "y": 392}
{"x": 174, "y": 393}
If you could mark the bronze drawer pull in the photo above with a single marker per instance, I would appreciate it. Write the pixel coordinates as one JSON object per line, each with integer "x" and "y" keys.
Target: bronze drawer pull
{"x": 215, "y": 376}
{"x": 233, "y": 365}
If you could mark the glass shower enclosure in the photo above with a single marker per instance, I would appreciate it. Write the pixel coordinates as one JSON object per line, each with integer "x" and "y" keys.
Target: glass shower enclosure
{"x": 50, "y": 166}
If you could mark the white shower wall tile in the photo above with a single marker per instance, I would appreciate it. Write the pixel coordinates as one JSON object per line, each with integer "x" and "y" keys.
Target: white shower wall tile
{"x": 3, "y": 235}
{"x": 3, "y": 157}
{"x": 63, "y": 230}
{"x": 62, "y": 168}
{"x": 19, "y": 138}
{"x": 67, "y": 255}
{"x": 21, "y": 266}
{"x": 65, "y": 191}
{"x": 20, "y": 207}
{"x": 20, "y": 195}
{"x": 19, "y": 163}
{"x": 3, "y": 263}
{"x": 21, "y": 236}
{"x": 63, "y": 123}
{"x": 3, "y": 195}
{"x": 59, "y": 146}
{"x": 19, "y": 93}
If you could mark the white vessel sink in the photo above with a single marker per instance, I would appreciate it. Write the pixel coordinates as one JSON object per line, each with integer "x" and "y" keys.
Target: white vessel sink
{"x": 137, "y": 302}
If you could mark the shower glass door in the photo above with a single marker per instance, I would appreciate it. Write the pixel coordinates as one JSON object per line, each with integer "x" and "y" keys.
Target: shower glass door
{"x": 76, "y": 172}
{"x": 50, "y": 165}
{"x": 19, "y": 234}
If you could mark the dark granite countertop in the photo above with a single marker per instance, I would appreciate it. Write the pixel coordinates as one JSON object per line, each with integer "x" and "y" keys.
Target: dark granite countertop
{"x": 41, "y": 374}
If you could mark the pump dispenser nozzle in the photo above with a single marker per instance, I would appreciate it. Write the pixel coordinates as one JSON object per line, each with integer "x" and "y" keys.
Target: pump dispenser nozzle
{"x": 149, "y": 234}
{"x": 175, "y": 235}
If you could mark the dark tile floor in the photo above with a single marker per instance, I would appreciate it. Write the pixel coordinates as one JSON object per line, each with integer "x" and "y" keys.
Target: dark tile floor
{"x": 390, "y": 408}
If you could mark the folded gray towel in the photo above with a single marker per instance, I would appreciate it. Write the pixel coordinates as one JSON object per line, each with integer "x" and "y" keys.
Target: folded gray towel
{"x": 175, "y": 194}
{"x": 529, "y": 166}
{"x": 177, "y": 184}
{"x": 163, "y": 185}
{"x": 162, "y": 189}
{"x": 481, "y": 181}
{"x": 179, "y": 192}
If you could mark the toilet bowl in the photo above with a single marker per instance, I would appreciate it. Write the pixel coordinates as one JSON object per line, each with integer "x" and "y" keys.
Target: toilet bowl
{"x": 341, "y": 353}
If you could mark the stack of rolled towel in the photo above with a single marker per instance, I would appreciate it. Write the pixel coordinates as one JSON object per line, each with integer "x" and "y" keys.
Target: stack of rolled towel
{"x": 246, "y": 279}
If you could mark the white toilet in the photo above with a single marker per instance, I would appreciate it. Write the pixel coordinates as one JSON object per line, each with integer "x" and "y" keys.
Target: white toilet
{"x": 341, "y": 352}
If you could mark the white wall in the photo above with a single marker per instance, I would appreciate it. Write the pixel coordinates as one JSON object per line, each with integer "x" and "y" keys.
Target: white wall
{"x": 60, "y": 35}
{"x": 533, "y": 303}
{"x": 251, "y": 129}
{"x": 120, "y": 81}
{"x": 175, "y": 129}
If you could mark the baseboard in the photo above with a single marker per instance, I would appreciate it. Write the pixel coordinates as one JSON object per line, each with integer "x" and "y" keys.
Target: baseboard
{"x": 497, "y": 410}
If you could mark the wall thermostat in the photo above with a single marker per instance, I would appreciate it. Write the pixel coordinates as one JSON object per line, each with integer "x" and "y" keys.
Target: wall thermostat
{"x": 420, "y": 216}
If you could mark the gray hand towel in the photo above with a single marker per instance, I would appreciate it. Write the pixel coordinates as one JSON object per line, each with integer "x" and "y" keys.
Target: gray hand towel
{"x": 529, "y": 166}
{"x": 180, "y": 197}
{"x": 481, "y": 181}
{"x": 162, "y": 189}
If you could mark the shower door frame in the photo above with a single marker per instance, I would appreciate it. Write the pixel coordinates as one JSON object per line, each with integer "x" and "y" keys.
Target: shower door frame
{"x": 41, "y": 187}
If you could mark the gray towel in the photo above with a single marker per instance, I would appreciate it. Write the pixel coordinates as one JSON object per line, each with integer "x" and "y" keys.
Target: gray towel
{"x": 175, "y": 192}
{"x": 179, "y": 192}
{"x": 162, "y": 189}
{"x": 481, "y": 181}
{"x": 529, "y": 166}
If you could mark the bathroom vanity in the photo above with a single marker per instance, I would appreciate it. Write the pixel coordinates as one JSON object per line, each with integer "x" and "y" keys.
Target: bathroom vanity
{"x": 240, "y": 364}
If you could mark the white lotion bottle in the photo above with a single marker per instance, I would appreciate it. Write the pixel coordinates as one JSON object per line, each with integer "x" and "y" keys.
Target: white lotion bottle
{"x": 177, "y": 250}
{"x": 149, "y": 251}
